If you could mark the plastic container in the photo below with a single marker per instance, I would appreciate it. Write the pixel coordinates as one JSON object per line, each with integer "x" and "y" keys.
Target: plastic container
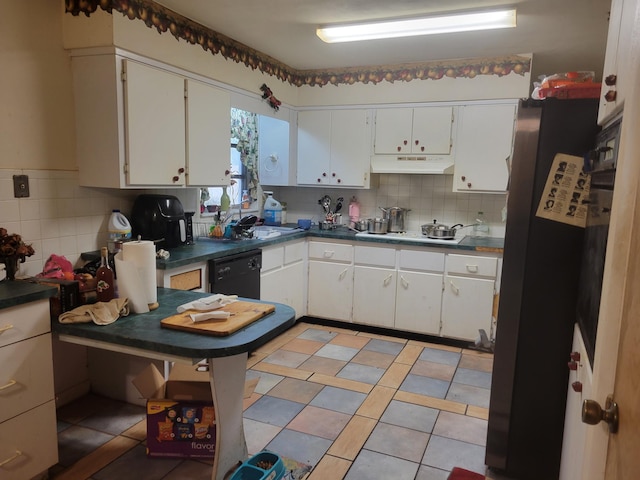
{"x": 262, "y": 466}
{"x": 480, "y": 227}
{"x": 272, "y": 211}
{"x": 354, "y": 210}
{"x": 119, "y": 229}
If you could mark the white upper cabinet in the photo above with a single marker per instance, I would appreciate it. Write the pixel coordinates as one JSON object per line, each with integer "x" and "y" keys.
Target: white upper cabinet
{"x": 425, "y": 130}
{"x": 273, "y": 151}
{"x": 483, "y": 147}
{"x": 333, "y": 148}
{"x": 617, "y": 61}
{"x": 208, "y": 135}
{"x": 136, "y": 129}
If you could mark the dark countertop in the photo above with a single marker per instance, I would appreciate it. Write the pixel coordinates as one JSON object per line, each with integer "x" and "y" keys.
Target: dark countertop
{"x": 143, "y": 330}
{"x": 206, "y": 249}
{"x": 17, "y": 292}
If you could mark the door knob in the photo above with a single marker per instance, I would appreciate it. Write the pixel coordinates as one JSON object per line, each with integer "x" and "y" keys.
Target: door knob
{"x": 592, "y": 413}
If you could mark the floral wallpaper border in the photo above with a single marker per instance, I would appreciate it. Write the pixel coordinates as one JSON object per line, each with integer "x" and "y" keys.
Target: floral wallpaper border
{"x": 165, "y": 20}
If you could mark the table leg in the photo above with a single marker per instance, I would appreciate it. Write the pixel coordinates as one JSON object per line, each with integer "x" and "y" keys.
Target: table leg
{"x": 227, "y": 376}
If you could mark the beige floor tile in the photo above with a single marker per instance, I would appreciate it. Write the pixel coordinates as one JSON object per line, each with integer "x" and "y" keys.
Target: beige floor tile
{"x": 352, "y": 438}
{"x": 274, "y": 344}
{"x": 478, "y": 412}
{"x": 247, "y": 402}
{"x": 341, "y": 383}
{"x": 376, "y": 402}
{"x": 352, "y": 340}
{"x": 437, "y": 346}
{"x": 409, "y": 354}
{"x": 327, "y": 366}
{"x": 327, "y": 328}
{"x": 438, "y": 403}
{"x": 98, "y": 459}
{"x": 461, "y": 427}
{"x": 296, "y": 390}
{"x": 476, "y": 362}
{"x": 433, "y": 370}
{"x": 395, "y": 375}
{"x": 255, "y": 358}
{"x": 330, "y": 467}
{"x": 302, "y": 345}
{"x": 282, "y": 370}
{"x": 373, "y": 359}
{"x": 320, "y": 422}
{"x": 298, "y": 328}
{"x": 383, "y": 337}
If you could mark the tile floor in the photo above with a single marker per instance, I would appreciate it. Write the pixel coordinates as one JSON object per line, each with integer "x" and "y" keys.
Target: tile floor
{"x": 353, "y": 405}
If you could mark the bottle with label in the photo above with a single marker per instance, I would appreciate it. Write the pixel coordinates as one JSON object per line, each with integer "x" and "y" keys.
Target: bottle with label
{"x": 272, "y": 211}
{"x": 105, "y": 286}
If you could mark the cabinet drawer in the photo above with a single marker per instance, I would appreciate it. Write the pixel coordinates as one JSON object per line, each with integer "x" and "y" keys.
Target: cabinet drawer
{"x": 421, "y": 261}
{"x": 29, "y": 443}
{"x": 26, "y": 375}
{"x": 272, "y": 258}
{"x": 375, "y": 256}
{"x": 187, "y": 281}
{"x": 472, "y": 265}
{"x": 336, "y": 252}
{"x": 294, "y": 252}
{"x": 24, "y": 321}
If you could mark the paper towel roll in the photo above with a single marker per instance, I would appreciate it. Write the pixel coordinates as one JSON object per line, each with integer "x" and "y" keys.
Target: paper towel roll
{"x": 136, "y": 271}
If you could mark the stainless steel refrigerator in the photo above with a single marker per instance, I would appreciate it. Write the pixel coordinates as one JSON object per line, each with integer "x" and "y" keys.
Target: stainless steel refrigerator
{"x": 538, "y": 296}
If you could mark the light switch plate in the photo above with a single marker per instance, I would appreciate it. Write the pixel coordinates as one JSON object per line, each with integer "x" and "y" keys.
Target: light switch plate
{"x": 20, "y": 186}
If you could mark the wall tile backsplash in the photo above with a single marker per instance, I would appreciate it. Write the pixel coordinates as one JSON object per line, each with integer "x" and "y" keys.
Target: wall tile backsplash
{"x": 63, "y": 218}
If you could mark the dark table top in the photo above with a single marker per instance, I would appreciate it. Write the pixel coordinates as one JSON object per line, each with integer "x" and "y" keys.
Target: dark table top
{"x": 143, "y": 331}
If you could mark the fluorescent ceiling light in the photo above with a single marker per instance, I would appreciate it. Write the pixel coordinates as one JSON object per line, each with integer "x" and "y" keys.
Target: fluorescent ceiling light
{"x": 419, "y": 26}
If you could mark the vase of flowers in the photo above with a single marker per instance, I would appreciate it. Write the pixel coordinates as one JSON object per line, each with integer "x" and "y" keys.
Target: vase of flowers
{"x": 13, "y": 250}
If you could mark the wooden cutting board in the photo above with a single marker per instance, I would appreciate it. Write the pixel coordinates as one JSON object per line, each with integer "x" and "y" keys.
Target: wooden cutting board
{"x": 242, "y": 314}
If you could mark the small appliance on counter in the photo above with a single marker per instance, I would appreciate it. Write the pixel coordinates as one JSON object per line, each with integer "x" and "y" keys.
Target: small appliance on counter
{"x": 160, "y": 219}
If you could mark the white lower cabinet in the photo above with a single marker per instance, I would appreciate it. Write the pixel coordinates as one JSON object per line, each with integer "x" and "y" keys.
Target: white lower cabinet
{"x": 467, "y": 300}
{"x": 374, "y": 286}
{"x": 282, "y": 277}
{"x": 419, "y": 291}
{"x": 28, "y": 436}
{"x": 330, "y": 280}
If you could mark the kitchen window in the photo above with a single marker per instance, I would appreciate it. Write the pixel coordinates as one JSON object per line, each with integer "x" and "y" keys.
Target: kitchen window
{"x": 238, "y": 181}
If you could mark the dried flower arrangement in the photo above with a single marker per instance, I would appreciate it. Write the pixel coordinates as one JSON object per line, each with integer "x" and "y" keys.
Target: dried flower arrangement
{"x": 12, "y": 251}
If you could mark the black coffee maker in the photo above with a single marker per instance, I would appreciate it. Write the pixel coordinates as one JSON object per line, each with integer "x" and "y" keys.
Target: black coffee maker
{"x": 159, "y": 218}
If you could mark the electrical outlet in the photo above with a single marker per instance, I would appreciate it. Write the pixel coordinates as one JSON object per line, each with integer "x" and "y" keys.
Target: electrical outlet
{"x": 20, "y": 186}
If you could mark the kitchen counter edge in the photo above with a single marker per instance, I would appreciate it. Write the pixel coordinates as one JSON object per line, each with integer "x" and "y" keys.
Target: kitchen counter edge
{"x": 17, "y": 292}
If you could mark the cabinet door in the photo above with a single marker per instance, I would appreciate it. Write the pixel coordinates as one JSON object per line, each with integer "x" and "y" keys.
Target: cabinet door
{"x": 155, "y": 126}
{"x": 314, "y": 147}
{"x": 374, "y": 296}
{"x": 208, "y": 138}
{"x": 418, "y": 302}
{"x": 431, "y": 133}
{"x": 393, "y": 130}
{"x": 467, "y": 305}
{"x": 330, "y": 290}
{"x": 273, "y": 151}
{"x": 349, "y": 148}
{"x": 483, "y": 146}
{"x": 286, "y": 286}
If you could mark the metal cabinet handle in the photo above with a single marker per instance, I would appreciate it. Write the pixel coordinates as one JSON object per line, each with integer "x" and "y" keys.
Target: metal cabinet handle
{"x": 11, "y": 458}
{"x": 454, "y": 288}
{"x": 472, "y": 268}
{"x": 343, "y": 273}
{"x": 5, "y": 328}
{"x": 10, "y": 383}
{"x": 387, "y": 280}
{"x": 328, "y": 253}
{"x": 404, "y": 282}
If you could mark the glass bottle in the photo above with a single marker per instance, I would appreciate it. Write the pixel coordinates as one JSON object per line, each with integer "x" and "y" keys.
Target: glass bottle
{"x": 225, "y": 201}
{"x": 105, "y": 278}
{"x": 480, "y": 227}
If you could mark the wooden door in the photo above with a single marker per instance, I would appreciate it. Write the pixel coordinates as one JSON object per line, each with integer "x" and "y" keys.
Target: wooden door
{"x": 614, "y": 456}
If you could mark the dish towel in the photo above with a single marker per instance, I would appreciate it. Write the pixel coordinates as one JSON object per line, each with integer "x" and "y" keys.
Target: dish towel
{"x": 100, "y": 313}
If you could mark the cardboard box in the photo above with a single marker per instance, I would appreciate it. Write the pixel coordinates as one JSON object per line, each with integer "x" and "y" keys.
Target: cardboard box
{"x": 180, "y": 413}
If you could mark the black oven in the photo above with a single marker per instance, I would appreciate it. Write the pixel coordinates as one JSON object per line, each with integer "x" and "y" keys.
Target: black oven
{"x": 602, "y": 167}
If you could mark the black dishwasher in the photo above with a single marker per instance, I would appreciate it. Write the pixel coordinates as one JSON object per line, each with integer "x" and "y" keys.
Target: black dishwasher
{"x": 237, "y": 274}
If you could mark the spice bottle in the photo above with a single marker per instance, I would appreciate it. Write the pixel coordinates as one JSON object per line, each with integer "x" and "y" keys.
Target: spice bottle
{"x": 105, "y": 279}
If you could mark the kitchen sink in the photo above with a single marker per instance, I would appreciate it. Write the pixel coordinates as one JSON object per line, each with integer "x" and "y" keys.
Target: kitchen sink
{"x": 260, "y": 232}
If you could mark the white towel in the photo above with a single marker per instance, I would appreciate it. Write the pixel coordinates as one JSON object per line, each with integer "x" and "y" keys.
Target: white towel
{"x": 208, "y": 303}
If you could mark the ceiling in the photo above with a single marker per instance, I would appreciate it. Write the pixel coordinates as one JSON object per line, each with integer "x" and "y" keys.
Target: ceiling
{"x": 563, "y": 35}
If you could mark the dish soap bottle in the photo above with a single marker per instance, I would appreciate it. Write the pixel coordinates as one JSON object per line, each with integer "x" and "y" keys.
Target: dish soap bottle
{"x": 272, "y": 211}
{"x": 105, "y": 279}
{"x": 225, "y": 201}
{"x": 354, "y": 211}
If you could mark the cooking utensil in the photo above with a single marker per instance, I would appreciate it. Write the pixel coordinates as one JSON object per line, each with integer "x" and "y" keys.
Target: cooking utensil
{"x": 325, "y": 202}
{"x": 361, "y": 225}
{"x": 442, "y": 231}
{"x": 338, "y": 204}
{"x": 396, "y": 217}
{"x": 378, "y": 225}
{"x": 327, "y": 225}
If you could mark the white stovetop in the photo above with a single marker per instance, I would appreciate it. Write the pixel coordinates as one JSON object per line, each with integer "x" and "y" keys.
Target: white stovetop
{"x": 412, "y": 237}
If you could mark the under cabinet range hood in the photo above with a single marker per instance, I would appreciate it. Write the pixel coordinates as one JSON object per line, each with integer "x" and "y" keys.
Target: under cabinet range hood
{"x": 421, "y": 164}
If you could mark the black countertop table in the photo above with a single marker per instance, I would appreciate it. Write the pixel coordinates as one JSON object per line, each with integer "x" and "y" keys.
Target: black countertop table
{"x": 142, "y": 335}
